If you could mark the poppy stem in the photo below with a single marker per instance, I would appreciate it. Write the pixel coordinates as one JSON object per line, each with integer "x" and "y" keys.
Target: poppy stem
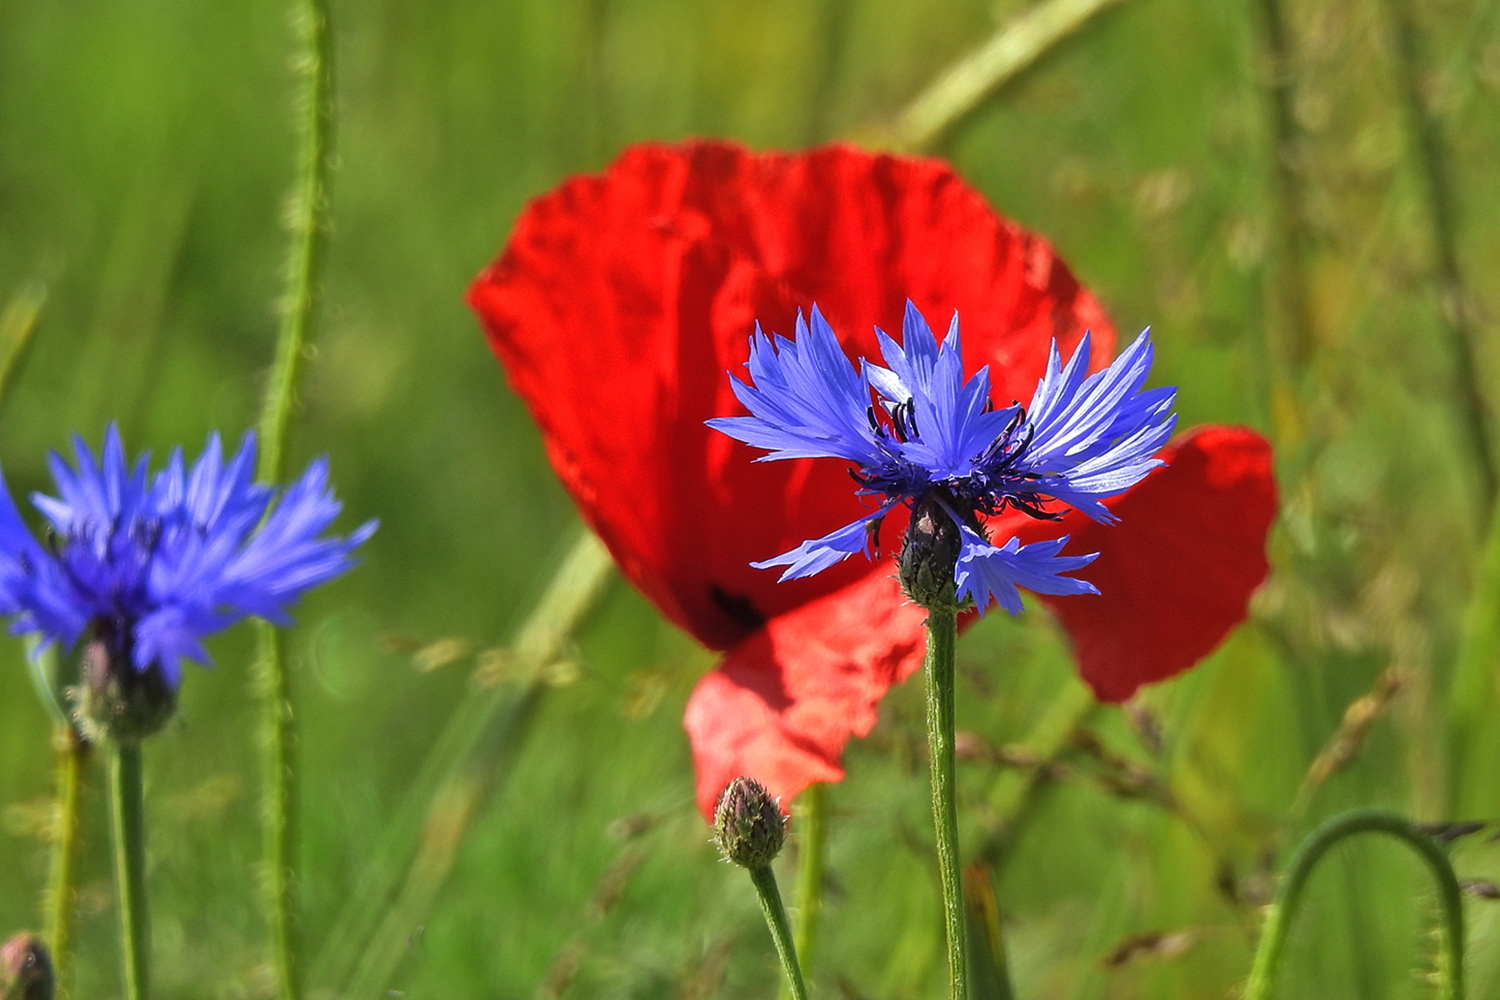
{"x": 811, "y": 819}
{"x": 72, "y": 751}
{"x": 309, "y": 241}
{"x": 1306, "y": 858}
{"x": 127, "y": 792}
{"x": 942, "y": 636}
{"x": 781, "y": 930}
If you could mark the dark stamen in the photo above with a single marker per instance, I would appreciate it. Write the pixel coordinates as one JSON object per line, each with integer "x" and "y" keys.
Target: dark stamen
{"x": 872, "y": 535}
{"x": 904, "y": 420}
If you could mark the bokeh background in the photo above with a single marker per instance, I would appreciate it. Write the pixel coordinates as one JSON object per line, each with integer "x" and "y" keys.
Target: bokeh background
{"x": 1273, "y": 186}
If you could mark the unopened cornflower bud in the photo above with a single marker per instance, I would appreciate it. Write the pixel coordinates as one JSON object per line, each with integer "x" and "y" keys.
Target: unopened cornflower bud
{"x": 26, "y": 969}
{"x": 929, "y": 555}
{"x": 114, "y": 700}
{"x": 748, "y": 826}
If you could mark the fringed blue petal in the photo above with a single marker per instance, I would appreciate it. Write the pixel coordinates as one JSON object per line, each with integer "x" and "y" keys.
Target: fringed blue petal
{"x": 174, "y": 558}
{"x": 987, "y": 573}
{"x": 817, "y": 554}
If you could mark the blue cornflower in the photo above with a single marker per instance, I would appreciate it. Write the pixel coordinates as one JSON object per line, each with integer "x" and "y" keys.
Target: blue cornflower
{"x": 149, "y": 565}
{"x": 921, "y": 435}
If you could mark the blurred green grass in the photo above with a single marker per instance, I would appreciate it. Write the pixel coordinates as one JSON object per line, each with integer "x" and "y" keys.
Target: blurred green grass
{"x": 145, "y": 155}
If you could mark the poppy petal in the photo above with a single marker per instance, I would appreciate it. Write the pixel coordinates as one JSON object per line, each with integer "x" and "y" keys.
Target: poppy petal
{"x": 1176, "y": 573}
{"x": 621, "y": 300}
{"x": 783, "y": 703}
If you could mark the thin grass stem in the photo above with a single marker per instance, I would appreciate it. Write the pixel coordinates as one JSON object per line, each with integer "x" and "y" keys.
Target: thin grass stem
{"x": 1008, "y": 53}
{"x": 1289, "y": 351}
{"x": 990, "y": 975}
{"x": 1430, "y": 158}
{"x": 17, "y": 324}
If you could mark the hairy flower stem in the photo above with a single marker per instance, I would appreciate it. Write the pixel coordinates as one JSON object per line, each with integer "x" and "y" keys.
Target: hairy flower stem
{"x": 126, "y": 790}
{"x": 72, "y": 752}
{"x": 1312, "y": 850}
{"x": 279, "y": 802}
{"x": 781, "y": 931}
{"x": 942, "y": 636}
{"x": 309, "y": 235}
{"x": 812, "y": 821}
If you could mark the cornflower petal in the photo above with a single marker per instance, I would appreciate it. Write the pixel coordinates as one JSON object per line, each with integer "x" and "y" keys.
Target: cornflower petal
{"x": 806, "y": 400}
{"x": 817, "y": 554}
{"x": 950, "y": 425}
{"x": 289, "y": 554}
{"x": 170, "y": 559}
{"x": 988, "y": 573}
{"x": 1096, "y": 436}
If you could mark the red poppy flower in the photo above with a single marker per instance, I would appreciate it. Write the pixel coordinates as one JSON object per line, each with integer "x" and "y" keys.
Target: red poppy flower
{"x": 617, "y": 307}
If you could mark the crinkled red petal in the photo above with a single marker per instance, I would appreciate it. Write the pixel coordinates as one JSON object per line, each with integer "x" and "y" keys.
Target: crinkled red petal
{"x": 783, "y": 703}
{"x": 621, "y": 300}
{"x": 1175, "y": 574}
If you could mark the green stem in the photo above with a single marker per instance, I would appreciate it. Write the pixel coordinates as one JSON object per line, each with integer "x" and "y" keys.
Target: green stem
{"x": 1007, "y": 54}
{"x": 127, "y": 791}
{"x": 309, "y": 233}
{"x": 1312, "y": 850}
{"x": 1278, "y": 79}
{"x": 279, "y": 802}
{"x": 1429, "y": 153}
{"x": 72, "y": 751}
{"x": 810, "y": 879}
{"x": 781, "y": 930}
{"x": 17, "y": 324}
{"x": 991, "y": 969}
{"x": 942, "y": 636}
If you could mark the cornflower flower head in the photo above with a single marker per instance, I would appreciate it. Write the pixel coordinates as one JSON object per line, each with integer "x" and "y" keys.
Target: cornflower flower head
{"x": 923, "y": 436}
{"x": 143, "y": 566}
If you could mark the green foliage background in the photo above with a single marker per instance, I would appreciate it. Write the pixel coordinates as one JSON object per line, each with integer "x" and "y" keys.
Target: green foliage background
{"x": 146, "y": 151}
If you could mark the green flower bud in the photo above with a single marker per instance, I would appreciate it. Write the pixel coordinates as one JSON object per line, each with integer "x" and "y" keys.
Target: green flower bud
{"x": 748, "y": 826}
{"x": 929, "y": 555}
{"x": 26, "y": 969}
{"x": 113, "y": 700}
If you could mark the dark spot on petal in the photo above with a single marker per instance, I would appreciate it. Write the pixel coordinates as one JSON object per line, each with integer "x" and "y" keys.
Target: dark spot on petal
{"x": 738, "y": 607}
